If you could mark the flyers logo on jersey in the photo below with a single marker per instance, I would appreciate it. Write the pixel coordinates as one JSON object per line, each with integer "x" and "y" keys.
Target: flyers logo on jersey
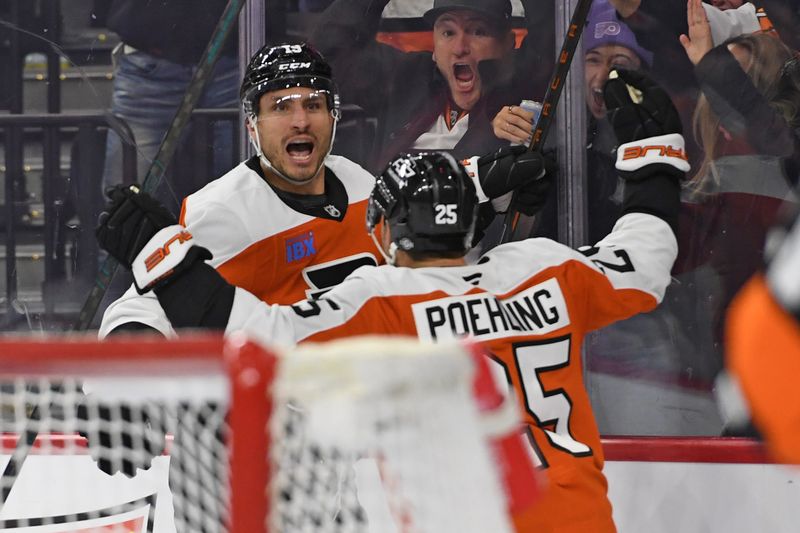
{"x": 300, "y": 247}
{"x": 662, "y": 150}
{"x": 161, "y": 253}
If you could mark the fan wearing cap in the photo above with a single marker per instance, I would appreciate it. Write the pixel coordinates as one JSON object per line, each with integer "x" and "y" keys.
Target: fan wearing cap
{"x": 464, "y": 33}
{"x": 608, "y": 42}
{"x": 444, "y": 99}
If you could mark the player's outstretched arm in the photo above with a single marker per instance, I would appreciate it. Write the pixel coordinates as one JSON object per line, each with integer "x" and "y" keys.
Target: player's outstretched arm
{"x": 637, "y": 256}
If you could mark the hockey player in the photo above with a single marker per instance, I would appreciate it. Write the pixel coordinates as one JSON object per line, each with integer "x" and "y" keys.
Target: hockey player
{"x": 530, "y": 302}
{"x": 287, "y": 224}
{"x": 763, "y": 350}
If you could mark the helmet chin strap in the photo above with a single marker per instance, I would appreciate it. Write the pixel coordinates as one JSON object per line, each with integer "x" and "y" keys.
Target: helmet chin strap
{"x": 391, "y": 257}
{"x": 255, "y": 140}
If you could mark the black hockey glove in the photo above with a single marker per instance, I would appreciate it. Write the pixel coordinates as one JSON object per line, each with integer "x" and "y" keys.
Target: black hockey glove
{"x": 647, "y": 126}
{"x": 651, "y": 158}
{"x": 129, "y": 221}
{"x": 533, "y": 194}
{"x": 508, "y": 169}
{"x": 136, "y": 222}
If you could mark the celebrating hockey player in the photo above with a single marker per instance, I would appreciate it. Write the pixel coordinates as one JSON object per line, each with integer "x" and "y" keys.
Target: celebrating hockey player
{"x": 763, "y": 350}
{"x": 530, "y": 302}
{"x": 288, "y": 223}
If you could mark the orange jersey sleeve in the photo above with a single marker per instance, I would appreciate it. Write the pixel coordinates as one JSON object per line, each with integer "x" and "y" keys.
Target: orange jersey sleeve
{"x": 763, "y": 352}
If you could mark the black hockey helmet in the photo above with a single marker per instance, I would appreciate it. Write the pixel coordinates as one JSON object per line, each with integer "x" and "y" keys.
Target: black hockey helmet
{"x": 283, "y": 66}
{"x": 428, "y": 201}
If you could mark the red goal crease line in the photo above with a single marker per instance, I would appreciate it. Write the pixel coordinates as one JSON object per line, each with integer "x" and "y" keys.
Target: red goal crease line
{"x": 56, "y": 444}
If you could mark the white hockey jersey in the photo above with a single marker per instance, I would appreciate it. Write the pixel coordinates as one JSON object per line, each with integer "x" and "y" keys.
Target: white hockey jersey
{"x": 279, "y": 250}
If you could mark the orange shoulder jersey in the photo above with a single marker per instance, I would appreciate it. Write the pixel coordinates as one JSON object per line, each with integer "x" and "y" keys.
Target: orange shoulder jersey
{"x": 531, "y": 303}
{"x": 278, "y": 246}
{"x": 763, "y": 348}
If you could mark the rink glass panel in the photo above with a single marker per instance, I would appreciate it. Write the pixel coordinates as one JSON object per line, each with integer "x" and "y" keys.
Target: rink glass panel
{"x": 650, "y": 375}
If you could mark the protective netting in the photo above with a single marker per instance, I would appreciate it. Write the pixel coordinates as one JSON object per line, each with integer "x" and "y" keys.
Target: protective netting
{"x": 396, "y": 423}
{"x": 370, "y": 435}
{"x": 100, "y": 457}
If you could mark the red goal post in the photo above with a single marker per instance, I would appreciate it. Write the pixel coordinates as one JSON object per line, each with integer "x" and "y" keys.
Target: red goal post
{"x": 292, "y": 429}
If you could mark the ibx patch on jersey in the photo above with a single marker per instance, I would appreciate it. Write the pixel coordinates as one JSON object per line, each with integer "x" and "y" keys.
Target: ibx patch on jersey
{"x": 299, "y": 247}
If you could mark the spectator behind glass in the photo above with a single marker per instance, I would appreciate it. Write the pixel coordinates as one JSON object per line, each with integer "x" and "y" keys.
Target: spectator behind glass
{"x": 657, "y": 25}
{"x": 161, "y": 44}
{"x": 444, "y": 100}
{"x": 744, "y": 121}
{"x": 747, "y": 122}
{"x": 607, "y": 43}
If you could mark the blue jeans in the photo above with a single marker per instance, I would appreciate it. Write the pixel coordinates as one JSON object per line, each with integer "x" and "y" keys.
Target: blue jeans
{"x": 147, "y": 92}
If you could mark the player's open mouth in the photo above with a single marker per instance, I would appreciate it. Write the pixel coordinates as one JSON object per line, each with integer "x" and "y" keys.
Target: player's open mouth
{"x": 300, "y": 151}
{"x": 464, "y": 76}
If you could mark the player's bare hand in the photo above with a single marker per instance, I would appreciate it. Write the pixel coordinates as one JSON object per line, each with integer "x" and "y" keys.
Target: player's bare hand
{"x": 626, "y": 8}
{"x": 699, "y": 41}
{"x": 513, "y": 124}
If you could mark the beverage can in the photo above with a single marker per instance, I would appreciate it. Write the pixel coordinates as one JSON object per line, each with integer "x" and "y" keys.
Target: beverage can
{"x": 534, "y": 106}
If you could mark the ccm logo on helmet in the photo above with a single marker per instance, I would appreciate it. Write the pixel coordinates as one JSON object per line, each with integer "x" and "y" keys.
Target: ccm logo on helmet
{"x": 635, "y": 152}
{"x": 160, "y": 254}
{"x": 293, "y": 66}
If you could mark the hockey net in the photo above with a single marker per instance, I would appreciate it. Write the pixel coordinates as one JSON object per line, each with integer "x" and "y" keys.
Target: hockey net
{"x": 206, "y": 435}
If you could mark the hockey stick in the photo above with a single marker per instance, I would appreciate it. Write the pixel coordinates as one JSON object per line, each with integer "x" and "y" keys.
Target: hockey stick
{"x": 550, "y": 102}
{"x": 151, "y": 181}
{"x": 167, "y": 149}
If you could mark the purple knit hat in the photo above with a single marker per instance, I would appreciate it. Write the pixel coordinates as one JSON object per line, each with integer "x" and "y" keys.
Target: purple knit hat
{"x": 604, "y": 27}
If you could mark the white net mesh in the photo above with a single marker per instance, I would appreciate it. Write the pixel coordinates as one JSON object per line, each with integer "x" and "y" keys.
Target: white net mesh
{"x": 368, "y": 435}
{"x": 395, "y": 422}
{"x": 99, "y": 463}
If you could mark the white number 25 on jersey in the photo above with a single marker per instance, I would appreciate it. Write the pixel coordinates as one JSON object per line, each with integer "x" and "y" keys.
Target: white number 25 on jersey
{"x": 551, "y": 408}
{"x": 446, "y": 213}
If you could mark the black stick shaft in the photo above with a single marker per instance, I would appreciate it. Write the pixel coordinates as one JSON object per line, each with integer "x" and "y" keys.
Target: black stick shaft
{"x": 167, "y": 148}
{"x": 551, "y": 99}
